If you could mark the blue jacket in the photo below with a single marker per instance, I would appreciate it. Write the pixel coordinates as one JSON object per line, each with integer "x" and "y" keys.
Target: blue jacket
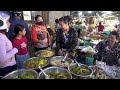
{"x": 13, "y": 22}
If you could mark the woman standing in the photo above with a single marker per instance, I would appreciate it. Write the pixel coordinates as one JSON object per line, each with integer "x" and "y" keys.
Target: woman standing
{"x": 66, "y": 39}
{"x": 7, "y": 52}
{"x": 40, "y": 35}
{"x": 100, "y": 27}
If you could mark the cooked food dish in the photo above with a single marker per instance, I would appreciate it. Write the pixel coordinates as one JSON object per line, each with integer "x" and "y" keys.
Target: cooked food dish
{"x": 45, "y": 53}
{"x": 57, "y": 62}
{"x": 25, "y": 76}
{"x": 57, "y": 76}
{"x": 35, "y": 63}
{"x": 80, "y": 70}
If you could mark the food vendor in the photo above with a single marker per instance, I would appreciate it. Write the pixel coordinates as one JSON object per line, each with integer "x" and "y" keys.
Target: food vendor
{"x": 66, "y": 39}
{"x": 109, "y": 50}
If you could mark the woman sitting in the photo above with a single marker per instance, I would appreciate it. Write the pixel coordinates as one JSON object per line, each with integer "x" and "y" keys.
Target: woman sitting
{"x": 109, "y": 50}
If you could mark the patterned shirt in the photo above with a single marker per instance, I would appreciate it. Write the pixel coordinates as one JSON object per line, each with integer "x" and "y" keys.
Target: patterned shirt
{"x": 107, "y": 54}
{"x": 66, "y": 41}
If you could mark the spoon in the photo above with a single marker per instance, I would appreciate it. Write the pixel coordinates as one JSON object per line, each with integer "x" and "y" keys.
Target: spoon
{"x": 63, "y": 61}
{"x": 46, "y": 76}
{"x": 79, "y": 64}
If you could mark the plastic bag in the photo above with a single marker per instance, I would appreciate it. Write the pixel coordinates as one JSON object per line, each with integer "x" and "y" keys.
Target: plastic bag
{"x": 111, "y": 71}
{"x": 89, "y": 50}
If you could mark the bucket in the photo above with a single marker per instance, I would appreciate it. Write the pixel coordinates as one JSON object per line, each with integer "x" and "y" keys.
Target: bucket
{"x": 89, "y": 61}
{"x": 107, "y": 32}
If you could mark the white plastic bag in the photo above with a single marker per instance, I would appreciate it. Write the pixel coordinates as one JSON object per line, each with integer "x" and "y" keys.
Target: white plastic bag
{"x": 89, "y": 50}
{"x": 111, "y": 71}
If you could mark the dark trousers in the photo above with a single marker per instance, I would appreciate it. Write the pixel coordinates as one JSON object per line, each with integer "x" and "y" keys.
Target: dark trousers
{"x": 37, "y": 49}
{"x": 6, "y": 70}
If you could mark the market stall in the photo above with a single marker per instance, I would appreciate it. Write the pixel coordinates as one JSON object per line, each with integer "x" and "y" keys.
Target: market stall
{"x": 55, "y": 69}
{"x": 46, "y": 65}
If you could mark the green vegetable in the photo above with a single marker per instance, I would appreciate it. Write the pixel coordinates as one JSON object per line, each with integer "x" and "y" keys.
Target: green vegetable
{"x": 79, "y": 70}
{"x": 46, "y": 53}
{"x": 25, "y": 76}
{"x": 57, "y": 76}
{"x": 36, "y": 63}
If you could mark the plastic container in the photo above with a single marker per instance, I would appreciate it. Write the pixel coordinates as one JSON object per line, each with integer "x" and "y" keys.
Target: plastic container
{"x": 89, "y": 61}
{"x": 87, "y": 43}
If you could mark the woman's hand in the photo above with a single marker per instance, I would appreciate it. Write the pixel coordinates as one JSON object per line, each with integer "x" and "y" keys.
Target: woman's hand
{"x": 48, "y": 48}
{"x": 18, "y": 48}
{"x": 60, "y": 52}
{"x": 66, "y": 53}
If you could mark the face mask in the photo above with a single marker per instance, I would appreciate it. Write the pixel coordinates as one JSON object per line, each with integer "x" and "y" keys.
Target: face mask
{"x": 39, "y": 23}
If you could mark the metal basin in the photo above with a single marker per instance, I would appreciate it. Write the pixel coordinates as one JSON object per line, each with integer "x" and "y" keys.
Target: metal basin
{"x": 35, "y": 58}
{"x": 21, "y": 72}
{"x": 55, "y": 69}
{"x": 59, "y": 58}
{"x": 82, "y": 76}
{"x": 38, "y": 53}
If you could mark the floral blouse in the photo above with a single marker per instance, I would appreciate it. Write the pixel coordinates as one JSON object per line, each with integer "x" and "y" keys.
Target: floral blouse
{"x": 107, "y": 54}
{"x": 68, "y": 41}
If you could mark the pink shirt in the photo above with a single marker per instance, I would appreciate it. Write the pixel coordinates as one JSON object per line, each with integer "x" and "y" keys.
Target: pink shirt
{"x": 21, "y": 44}
{"x": 7, "y": 52}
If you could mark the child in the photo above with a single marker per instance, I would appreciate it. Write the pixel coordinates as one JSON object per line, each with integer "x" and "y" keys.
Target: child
{"x": 20, "y": 41}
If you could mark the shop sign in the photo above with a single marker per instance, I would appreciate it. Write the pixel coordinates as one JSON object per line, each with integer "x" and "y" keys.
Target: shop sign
{"x": 27, "y": 15}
